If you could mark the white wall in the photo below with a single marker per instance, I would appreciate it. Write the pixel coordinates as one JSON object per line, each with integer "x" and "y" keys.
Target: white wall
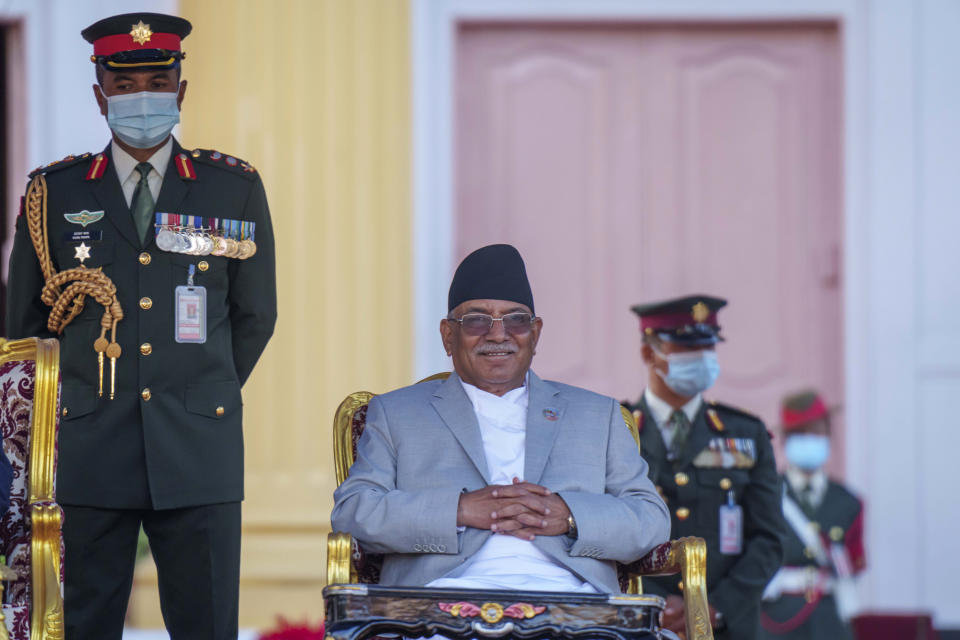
{"x": 902, "y": 263}
{"x": 904, "y": 452}
{"x": 61, "y": 114}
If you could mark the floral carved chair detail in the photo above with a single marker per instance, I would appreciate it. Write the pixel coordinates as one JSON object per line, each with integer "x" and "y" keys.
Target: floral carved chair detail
{"x": 30, "y": 535}
{"x": 348, "y": 565}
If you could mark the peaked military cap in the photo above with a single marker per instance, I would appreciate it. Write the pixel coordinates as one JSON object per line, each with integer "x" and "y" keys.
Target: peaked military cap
{"x": 137, "y": 40}
{"x": 690, "y": 320}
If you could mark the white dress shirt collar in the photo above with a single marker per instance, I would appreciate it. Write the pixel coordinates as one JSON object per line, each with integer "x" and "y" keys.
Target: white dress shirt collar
{"x": 662, "y": 411}
{"x": 801, "y": 480}
{"x": 126, "y": 166}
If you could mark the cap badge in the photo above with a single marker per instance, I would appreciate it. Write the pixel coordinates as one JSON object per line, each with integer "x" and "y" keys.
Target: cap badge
{"x": 140, "y": 33}
{"x": 84, "y": 217}
{"x": 700, "y": 312}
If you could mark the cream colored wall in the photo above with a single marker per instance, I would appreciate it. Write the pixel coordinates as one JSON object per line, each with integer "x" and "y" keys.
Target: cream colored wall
{"x": 316, "y": 95}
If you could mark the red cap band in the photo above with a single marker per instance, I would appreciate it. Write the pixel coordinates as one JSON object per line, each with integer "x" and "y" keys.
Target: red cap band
{"x": 792, "y": 418}
{"x": 109, "y": 45}
{"x": 668, "y": 321}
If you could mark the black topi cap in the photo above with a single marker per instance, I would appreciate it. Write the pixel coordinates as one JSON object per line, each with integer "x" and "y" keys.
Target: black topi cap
{"x": 690, "y": 320}
{"x": 137, "y": 40}
{"x": 494, "y": 272}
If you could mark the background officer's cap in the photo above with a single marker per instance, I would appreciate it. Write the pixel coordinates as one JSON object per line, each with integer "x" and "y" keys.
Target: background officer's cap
{"x": 137, "y": 41}
{"x": 802, "y": 408}
{"x": 690, "y": 320}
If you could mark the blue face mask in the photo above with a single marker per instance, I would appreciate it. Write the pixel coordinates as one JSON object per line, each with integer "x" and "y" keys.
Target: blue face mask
{"x": 690, "y": 373}
{"x": 143, "y": 119}
{"x": 807, "y": 451}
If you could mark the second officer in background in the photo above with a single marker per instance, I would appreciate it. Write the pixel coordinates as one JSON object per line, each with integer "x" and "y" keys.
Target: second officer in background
{"x": 712, "y": 463}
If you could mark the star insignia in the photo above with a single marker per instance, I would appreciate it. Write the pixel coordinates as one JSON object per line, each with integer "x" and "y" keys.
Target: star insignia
{"x": 700, "y": 312}
{"x": 140, "y": 33}
{"x": 82, "y": 252}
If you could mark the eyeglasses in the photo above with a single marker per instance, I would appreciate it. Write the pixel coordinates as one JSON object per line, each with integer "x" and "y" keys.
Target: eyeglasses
{"x": 479, "y": 324}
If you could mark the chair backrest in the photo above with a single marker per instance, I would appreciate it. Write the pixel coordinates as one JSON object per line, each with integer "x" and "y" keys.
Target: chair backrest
{"x": 30, "y": 536}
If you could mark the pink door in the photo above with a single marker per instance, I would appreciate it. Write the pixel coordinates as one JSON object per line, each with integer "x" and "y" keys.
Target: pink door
{"x": 636, "y": 162}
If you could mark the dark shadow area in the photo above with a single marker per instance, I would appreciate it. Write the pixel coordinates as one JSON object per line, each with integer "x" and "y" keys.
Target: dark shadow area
{"x": 5, "y": 155}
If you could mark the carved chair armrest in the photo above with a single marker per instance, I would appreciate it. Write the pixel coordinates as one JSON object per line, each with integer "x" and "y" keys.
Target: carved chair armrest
{"x": 340, "y": 568}
{"x": 348, "y": 563}
{"x": 688, "y": 557}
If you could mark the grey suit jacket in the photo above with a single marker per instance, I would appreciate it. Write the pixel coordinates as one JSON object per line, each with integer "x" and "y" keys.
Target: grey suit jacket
{"x": 422, "y": 447}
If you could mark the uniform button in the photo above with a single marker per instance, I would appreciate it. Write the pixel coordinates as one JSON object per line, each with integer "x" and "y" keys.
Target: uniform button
{"x": 146, "y": 349}
{"x": 65, "y": 412}
{"x": 144, "y": 258}
{"x": 681, "y": 479}
{"x": 203, "y": 265}
{"x": 145, "y": 394}
{"x": 810, "y": 553}
{"x": 680, "y": 585}
{"x": 683, "y": 513}
{"x": 836, "y": 534}
{"x": 815, "y": 527}
{"x": 145, "y": 303}
{"x": 725, "y": 484}
{"x": 220, "y": 411}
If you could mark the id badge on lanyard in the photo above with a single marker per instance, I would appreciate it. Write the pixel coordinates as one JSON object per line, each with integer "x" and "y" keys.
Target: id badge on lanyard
{"x": 190, "y": 324}
{"x": 731, "y": 527}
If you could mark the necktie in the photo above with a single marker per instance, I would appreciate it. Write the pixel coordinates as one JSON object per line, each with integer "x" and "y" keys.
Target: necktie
{"x": 681, "y": 429}
{"x": 142, "y": 204}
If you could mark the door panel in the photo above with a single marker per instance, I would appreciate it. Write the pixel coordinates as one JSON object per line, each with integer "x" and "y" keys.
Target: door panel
{"x": 635, "y": 162}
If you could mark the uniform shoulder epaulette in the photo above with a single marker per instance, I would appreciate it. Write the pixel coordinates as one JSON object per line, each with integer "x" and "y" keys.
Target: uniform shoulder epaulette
{"x": 69, "y": 161}
{"x": 215, "y": 158}
{"x": 726, "y": 408}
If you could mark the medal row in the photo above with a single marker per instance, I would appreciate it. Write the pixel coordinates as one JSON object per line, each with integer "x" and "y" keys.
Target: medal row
{"x": 200, "y": 242}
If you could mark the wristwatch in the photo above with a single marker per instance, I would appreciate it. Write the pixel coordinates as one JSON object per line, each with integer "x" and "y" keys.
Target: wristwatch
{"x": 571, "y": 527}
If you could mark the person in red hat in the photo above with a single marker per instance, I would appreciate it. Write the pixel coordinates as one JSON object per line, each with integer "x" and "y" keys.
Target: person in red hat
{"x": 712, "y": 463}
{"x": 154, "y": 266}
{"x": 811, "y": 596}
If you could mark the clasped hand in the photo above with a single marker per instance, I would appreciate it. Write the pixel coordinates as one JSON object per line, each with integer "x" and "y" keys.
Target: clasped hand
{"x": 522, "y": 509}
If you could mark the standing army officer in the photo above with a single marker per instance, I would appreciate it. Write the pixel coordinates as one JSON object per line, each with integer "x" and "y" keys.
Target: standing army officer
{"x": 812, "y": 595}
{"x": 155, "y": 267}
{"x": 712, "y": 464}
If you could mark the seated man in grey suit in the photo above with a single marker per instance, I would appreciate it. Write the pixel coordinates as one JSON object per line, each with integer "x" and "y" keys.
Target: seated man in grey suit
{"x": 494, "y": 478}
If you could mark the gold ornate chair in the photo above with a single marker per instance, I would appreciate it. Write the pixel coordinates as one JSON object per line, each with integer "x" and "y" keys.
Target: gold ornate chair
{"x": 349, "y": 567}
{"x": 30, "y": 535}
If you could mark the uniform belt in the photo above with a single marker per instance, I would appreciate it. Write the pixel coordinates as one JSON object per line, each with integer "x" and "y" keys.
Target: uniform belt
{"x": 799, "y": 581}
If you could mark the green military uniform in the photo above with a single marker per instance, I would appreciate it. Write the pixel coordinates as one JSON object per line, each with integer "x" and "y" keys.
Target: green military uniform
{"x": 167, "y": 450}
{"x": 813, "y": 593}
{"x": 718, "y": 477}
{"x": 812, "y": 613}
{"x": 183, "y": 445}
{"x": 694, "y": 488}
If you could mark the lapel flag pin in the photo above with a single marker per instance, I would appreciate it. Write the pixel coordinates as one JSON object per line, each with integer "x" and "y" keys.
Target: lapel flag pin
{"x": 550, "y": 414}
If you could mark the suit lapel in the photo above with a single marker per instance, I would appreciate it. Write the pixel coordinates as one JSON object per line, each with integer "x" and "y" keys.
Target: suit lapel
{"x": 456, "y": 411}
{"x": 651, "y": 440}
{"x": 699, "y": 437}
{"x": 109, "y": 194}
{"x": 545, "y": 412}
